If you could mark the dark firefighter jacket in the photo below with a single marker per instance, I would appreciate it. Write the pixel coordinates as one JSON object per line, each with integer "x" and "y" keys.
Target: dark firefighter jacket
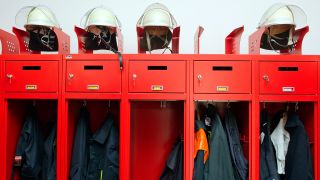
{"x": 49, "y": 160}
{"x": 219, "y": 164}
{"x": 174, "y": 164}
{"x": 95, "y": 157}
{"x": 29, "y": 148}
{"x": 201, "y": 150}
{"x": 104, "y": 152}
{"x": 298, "y": 158}
{"x": 80, "y": 151}
{"x": 268, "y": 164}
{"x": 239, "y": 160}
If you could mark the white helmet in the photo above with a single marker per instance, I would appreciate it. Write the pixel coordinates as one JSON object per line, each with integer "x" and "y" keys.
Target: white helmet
{"x": 282, "y": 14}
{"x": 157, "y": 15}
{"x": 100, "y": 16}
{"x": 36, "y": 15}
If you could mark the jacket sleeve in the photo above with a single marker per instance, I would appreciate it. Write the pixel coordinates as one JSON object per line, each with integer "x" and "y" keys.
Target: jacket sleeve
{"x": 80, "y": 145}
{"x": 33, "y": 147}
{"x": 301, "y": 165}
{"x": 113, "y": 153}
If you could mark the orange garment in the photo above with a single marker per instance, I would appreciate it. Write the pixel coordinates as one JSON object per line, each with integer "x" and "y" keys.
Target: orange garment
{"x": 201, "y": 143}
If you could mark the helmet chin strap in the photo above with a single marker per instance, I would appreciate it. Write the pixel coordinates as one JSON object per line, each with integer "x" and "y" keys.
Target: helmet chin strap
{"x": 165, "y": 40}
{"x": 273, "y": 38}
{"x": 107, "y": 44}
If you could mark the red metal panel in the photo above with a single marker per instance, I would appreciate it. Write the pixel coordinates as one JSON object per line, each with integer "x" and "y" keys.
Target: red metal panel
{"x": 93, "y": 76}
{"x": 222, "y": 76}
{"x": 153, "y": 133}
{"x": 157, "y": 76}
{"x": 31, "y": 76}
{"x": 288, "y": 77}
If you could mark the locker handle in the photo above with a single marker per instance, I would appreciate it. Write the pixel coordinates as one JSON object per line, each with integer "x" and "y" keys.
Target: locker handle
{"x": 288, "y": 69}
{"x": 30, "y": 68}
{"x": 222, "y": 68}
{"x": 93, "y": 67}
{"x": 159, "y": 68}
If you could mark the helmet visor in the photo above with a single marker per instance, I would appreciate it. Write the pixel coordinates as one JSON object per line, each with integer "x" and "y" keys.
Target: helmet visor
{"x": 85, "y": 19}
{"x": 298, "y": 15}
{"x": 157, "y": 6}
{"x": 48, "y": 18}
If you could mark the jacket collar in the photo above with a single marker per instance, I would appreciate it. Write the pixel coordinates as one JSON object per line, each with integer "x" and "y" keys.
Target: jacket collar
{"x": 293, "y": 121}
{"x": 101, "y": 135}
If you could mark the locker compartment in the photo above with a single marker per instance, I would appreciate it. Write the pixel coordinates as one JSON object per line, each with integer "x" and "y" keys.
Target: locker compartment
{"x": 155, "y": 127}
{"x": 222, "y": 77}
{"x": 16, "y": 111}
{"x": 306, "y": 113}
{"x": 157, "y": 76}
{"x": 241, "y": 111}
{"x": 93, "y": 76}
{"x": 288, "y": 77}
{"x": 98, "y": 110}
{"x": 31, "y": 76}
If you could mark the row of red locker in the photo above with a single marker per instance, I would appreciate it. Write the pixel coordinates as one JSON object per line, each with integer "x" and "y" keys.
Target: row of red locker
{"x": 153, "y": 99}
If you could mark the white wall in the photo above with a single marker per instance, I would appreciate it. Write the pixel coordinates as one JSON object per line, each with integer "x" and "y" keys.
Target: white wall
{"x": 217, "y": 17}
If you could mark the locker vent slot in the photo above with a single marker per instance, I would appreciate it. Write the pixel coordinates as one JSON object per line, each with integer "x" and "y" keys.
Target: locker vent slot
{"x": 28, "y": 68}
{"x": 159, "y": 68}
{"x": 222, "y": 68}
{"x": 288, "y": 69}
{"x": 93, "y": 68}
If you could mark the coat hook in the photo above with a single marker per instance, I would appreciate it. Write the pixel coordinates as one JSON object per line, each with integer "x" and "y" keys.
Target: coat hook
{"x": 296, "y": 107}
{"x": 228, "y": 104}
{"x": 288, "y": 107}
{"x": 84, "y": 103}
{"x": 109, "y": 104}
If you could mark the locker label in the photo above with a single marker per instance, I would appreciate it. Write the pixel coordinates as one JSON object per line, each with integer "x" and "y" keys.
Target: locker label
{"x": 31, "y": 87}
{"x": 17, "y": 161}
{"x": 157, "y": 88}
{"x": 222, "y": 88}
{"x": 93, "y": 87}
{"x": 287, "y": 89}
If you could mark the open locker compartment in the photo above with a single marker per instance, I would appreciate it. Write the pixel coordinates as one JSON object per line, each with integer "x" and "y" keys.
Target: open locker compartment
{"x": 98, "y": 111}
{"x": 15, "y": 114}
{"x": 241, "y": 111}
{"x": 307, "y": 115}
{"x": 155, "y": 128}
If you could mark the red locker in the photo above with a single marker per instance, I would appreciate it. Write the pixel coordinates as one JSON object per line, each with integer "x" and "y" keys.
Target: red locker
{"x": 35, "y": 80}
{"x": 93, "y": 76}
{"x": 288, "y": 77}
{"x": 157, "y": 76}
{"x": 222, "y": 77}
{"x": 281, "y": 82}
{"x": 215, "y": 80}
{"x": 31, "y": 76}
{"x": 156, "y": 113}
{"x": 96, "y": 82}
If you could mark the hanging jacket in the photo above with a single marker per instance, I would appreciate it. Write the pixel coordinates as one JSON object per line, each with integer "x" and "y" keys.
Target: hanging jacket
{"x": 174, "y": 164}
{"x": 298, "y": 159}
{"x": 219, "y": 165}
{"x": 80, "y": 150}
{"x": 268, "y": 165}
{"x": 104, "y": 152}
{"x": 280, "y": 139}
{"x": 201, "y": 150}
{"x": 239, "y": 161}
{"x": 29, "y": 148}
{"x": 49, "y": 160}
